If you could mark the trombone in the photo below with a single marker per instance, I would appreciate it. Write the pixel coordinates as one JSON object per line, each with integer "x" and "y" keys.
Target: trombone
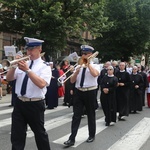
{"x": 10, "y": 64}
{"x": 60, "y": 79}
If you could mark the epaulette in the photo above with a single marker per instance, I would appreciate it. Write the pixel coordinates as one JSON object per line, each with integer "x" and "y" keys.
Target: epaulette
{"x": 46, "y": 63}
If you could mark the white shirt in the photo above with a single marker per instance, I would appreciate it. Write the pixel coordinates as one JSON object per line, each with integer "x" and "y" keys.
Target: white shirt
{"x": 39, "y": 68}
{"x": 89, "y": 80}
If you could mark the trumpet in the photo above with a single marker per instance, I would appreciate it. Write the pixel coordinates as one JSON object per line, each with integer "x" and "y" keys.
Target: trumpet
{"x": 78, "y": 64}
{"x": 10, "y": 64}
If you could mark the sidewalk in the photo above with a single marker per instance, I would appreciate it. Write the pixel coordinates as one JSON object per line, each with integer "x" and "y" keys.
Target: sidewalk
{"x": 6, "y": 99}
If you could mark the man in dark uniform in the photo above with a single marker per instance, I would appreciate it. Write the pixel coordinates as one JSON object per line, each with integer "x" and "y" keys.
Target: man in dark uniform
{"x": 32, "y": 77}
{"x": 85, "y": 79}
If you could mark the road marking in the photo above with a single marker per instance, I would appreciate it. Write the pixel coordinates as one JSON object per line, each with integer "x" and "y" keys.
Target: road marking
{"x": 4, "y": 104}
{"x": 83, "y": 133}
{"x": 53, "y": 123}
{"x": 6, "y": 122}
{"x": 6, "y": 111}
{"x": 135, "y": 138}
{"x": 47, "y": 111}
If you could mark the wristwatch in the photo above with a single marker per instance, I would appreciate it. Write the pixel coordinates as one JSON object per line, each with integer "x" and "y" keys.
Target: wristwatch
{"x": 27, "y": 71}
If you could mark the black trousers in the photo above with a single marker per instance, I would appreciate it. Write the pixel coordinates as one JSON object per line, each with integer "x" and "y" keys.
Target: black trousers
{"x": 31, "y": 113}
{"x": 81, "y": 100}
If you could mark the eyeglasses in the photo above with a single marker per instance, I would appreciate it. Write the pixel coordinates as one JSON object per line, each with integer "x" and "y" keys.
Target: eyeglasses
{"x": 109, "y": 69}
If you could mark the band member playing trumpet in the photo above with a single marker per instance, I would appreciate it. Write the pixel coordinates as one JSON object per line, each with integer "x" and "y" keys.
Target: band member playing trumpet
{"x": 32, "y": 77}
{"x": 85, "y": 79}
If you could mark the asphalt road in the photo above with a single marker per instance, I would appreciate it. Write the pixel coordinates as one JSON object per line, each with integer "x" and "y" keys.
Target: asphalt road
{"x": 132, "y": 134}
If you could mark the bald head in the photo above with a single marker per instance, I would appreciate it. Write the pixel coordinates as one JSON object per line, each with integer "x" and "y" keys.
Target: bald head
{"x": 122, "y": 66}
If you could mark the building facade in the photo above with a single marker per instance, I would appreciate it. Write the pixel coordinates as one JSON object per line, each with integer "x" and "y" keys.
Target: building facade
{"x": 7, "y": 39}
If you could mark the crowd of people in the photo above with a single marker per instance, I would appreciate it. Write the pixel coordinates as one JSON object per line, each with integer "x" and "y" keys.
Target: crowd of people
{"x": 35, "y": 87}
{"x": 122, "y": 90}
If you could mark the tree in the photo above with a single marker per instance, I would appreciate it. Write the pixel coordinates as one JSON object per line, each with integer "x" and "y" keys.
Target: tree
{"x": 130, "y": 32}
{"x": 53, "y": 21}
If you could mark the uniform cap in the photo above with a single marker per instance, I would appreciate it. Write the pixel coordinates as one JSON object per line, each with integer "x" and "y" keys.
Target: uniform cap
{"x": 87, "y": 48}
{"x": 32, "y": 42}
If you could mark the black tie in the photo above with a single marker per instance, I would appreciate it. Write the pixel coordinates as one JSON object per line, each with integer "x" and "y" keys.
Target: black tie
{"x": 25, "y": 80}
{"x": 82, "y": 77}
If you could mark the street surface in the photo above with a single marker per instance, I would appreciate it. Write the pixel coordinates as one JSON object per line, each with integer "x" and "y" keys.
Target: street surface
{"x": 132, "y": 134}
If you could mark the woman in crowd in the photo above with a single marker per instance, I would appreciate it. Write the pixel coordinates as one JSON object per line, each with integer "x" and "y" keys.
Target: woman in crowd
{"x": 1, "y": 91}
{"x": 69, "y": 88}
{"x": 65, "y": 65}
{"x": 60, "y": 85}
{"x": 51, "y": 96}
{"x": 148, "y": 90}
{"x": 136, "y": 91}
{"x": 108, "y": 95}
{"x": 122, "y": 91}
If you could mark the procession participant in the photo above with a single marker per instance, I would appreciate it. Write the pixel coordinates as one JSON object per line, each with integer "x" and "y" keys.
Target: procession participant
{"x": 145, "y": 85}
{"x": 69, "y": 88}
{"x": 32, "y": 77}
{"x": 65, "y": 65}
{"x": 104, "y": 71}
{"x": 115, "y": 66}
{"x": 148, "y": 90}
{"x": 136, "y": 91}
{"x": 85, "y": 79}
{"x": 122, "y": 91}
{"x": 108, "y": 96}
{"x": 51, "y": 96}
{"x": 61, "y": 90}
{"x": 1, "y": 91}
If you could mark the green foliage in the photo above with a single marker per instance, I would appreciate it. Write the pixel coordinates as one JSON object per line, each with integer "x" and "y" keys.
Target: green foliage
{"x": 130, "y": 31}
{"x": 121, "y": 27}
{"x": 53, "y": 21}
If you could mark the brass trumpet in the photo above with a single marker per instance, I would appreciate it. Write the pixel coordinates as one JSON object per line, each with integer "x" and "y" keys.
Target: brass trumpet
{"x": 78, "y": 64}
{"x": 9, "y": 64}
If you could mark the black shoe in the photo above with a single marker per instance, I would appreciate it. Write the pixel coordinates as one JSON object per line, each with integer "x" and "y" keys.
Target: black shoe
{"x": 50, "y": 108}
{"x": 107, "y": 124}
{"x": 64, "y": 104}
{"x": 69, "y": 143}
{"x": 120, "y": 118}
{"x": 90, "y": 139}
